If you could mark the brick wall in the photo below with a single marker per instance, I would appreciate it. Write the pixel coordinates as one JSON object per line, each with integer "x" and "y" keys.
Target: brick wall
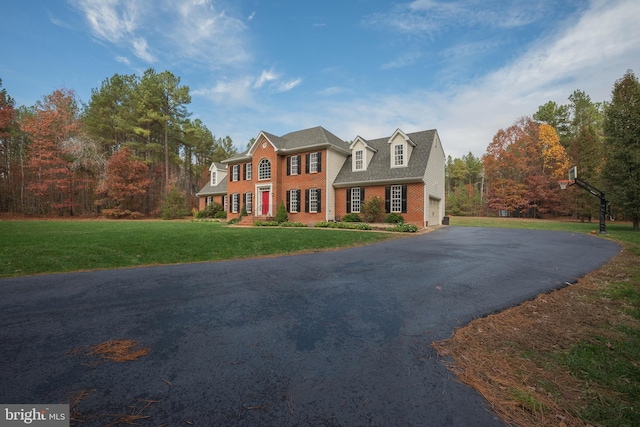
{"x": 280, "y": 183}
{"x": 415, "y": 201}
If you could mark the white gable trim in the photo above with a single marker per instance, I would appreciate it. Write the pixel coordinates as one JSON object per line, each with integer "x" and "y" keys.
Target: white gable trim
{"x": 254, "y": 146}
{"x": 403, "y": 135}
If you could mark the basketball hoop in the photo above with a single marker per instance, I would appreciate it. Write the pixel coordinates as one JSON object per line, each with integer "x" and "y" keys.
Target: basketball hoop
{"x": 564, "y": 183}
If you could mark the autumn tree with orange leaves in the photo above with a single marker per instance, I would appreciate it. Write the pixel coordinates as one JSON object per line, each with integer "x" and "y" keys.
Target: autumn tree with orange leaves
{"x": 522, "y": 166}
{"x": 125, "y": 184}
{"x": 53, "y": 180}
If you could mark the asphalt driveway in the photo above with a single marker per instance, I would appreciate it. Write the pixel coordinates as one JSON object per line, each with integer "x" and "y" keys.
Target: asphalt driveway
{"x": 336, "y": 338}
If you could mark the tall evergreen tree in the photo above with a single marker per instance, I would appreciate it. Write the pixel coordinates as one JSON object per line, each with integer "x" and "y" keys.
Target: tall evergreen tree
{"x": 622, "y": 130}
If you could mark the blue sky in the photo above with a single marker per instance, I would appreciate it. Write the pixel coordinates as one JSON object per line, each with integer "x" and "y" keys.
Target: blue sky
{"x": 355, "y": 67}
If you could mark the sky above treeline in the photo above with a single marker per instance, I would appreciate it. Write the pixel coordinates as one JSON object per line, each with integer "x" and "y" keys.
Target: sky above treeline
{"x": 358, "y": 67}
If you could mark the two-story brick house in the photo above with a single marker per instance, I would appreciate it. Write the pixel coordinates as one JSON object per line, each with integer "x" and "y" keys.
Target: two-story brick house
{"x": 319, "y": 177}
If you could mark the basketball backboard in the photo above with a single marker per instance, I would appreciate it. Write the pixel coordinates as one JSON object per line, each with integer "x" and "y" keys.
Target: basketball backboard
{"x": 573, "y": 173}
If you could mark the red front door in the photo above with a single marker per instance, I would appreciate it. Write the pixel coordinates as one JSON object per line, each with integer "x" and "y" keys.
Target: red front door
{"x": 265, "y": 203}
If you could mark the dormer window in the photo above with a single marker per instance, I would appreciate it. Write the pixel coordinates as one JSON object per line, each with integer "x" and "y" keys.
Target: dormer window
{"x": 398, "y": 155}
{"x": 214, "y": 177}
{"x": 359, "y": 155}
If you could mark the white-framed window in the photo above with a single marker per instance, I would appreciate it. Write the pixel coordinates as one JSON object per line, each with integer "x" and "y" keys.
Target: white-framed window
{"x": 249, "y": 202}
{"x": 235, "y": 173}
{"x": 313, "y": 162}
{"x": 359, "y": 160}
{"x": 249, "y": 171}
{"x": 396, "y": 198}
{"x": 293, "y": 201}
{"x": 208, "y": 200}
{"x": 235, "y": 202}
{"x": 313, "y": 200}
{"x": 355, "y": 200}
{"x": 294, "y": 165}
{"x": 264, "y": 169}
{"x": 214, "y": 177}
{"x": 398, "y": 155}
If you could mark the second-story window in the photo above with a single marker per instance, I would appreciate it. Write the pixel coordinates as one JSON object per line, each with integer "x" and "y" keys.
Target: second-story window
{"x": 398, "y": 151}
{"x": 236, "y": 173}
{"x": 313, "y": 162}
{"x": 214, "y": 175}
{"x": 264, "y": 169}
{"x": 249, "y": 172}
{"x": 359, "y": 160}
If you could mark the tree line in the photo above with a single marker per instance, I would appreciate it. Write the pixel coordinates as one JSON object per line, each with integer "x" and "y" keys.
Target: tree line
{"x": 519, "y": 173}
{"x": 124, "y": 150}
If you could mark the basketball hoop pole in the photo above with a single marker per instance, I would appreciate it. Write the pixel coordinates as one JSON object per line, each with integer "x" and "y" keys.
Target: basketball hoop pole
{"x": 604, "y": 203}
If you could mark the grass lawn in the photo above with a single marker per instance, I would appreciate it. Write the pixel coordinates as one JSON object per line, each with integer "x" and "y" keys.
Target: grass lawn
{"x": 571, "y": 357}
{"x": 36, "y": 247}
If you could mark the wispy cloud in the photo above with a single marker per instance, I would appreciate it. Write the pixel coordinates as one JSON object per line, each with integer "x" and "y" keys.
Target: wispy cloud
{"x": 403, "y": 60}
{"x": 191, "y": 30}
{"x": 287, "y": 86}
{"x": 430, "y": 17}
{"x": 265, "y": 77}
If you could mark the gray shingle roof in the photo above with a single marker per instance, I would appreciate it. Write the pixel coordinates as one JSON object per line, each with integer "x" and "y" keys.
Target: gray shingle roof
{"x": 379, "y": 169}
{"x": 301, "y": 140}
{"x": 210, "y": 190}
{"x": 310, "y": 138}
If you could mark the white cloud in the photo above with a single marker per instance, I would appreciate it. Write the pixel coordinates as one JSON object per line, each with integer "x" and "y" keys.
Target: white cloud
{"x": 265, "y": 77}
{"x": 287, "y": 86}
{"x": 250, "y": 17}
{"x": 190, "y": 30}
{"x": 588, "y": 53}
{"x": 235, "y": 92}
{"x": 429, "y": 17}
{"x": 205, "y": 33}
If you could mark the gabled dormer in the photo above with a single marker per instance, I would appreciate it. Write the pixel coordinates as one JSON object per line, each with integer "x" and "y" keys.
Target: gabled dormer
{"x": 218, "y": 173}
{"x": 361, "y": 154}
{"x": 401, "y": 147}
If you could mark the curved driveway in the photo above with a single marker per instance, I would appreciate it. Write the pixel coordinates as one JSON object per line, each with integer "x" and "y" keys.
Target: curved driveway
{"x": 336, "y": 338}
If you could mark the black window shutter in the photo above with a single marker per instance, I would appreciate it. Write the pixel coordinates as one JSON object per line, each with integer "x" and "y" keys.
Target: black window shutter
{"x": 298, "y": 199}
{"x": 319, "y": 161}
{"x": 288, "y": 166}
{"x": 307, "y": 161}
{"x": 306, "y": 200}
{"x": 361, "y": 195}
{"x": 387, "y": 199}
{"x": 288, "y": 200}
{"x": 404, "y": 199}
{"x": 348, "y": 200}
{"x": 244, "y": 171}
{"x": 319, "y": 195}
{"x": 244, "y": 199}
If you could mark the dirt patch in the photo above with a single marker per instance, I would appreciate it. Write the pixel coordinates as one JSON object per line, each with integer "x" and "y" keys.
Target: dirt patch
{"x": 502, "y": 355}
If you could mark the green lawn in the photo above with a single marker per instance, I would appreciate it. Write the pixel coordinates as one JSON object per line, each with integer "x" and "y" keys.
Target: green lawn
{"x": 36, "y": 247}
{"x": 620, "y": 231}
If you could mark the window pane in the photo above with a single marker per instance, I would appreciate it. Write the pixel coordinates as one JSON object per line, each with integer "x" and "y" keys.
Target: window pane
{"x": 293, "y": 200}
{"x": 313, "y": 162}
{"x": 313, "y": 200}
{"x": 264, "y": 169}
{"x": 396, "y": 198}
{"x": 355, "y": 200}
{"x": 399, "y": 161}
{"x": 359, "y": 160}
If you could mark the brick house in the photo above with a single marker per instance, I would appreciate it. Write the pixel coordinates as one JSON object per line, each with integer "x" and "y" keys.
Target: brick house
{"x": 319, "y": 177}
